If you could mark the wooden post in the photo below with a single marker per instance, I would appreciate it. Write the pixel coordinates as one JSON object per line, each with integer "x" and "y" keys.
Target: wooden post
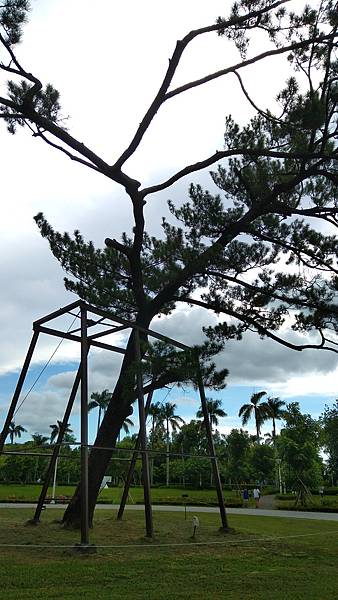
{"x": 84, "y": 431}
{"x": 21, "y": 380}
{"x": 132, "y": 464}
{"x": 56, "y": 449}
{"x": 213, "y": 457}
{"x": 143, "y": 436}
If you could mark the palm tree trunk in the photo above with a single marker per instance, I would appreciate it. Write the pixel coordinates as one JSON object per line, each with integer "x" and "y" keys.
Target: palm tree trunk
{"x": 183, "y": 465}
{"x": 152, "y": 458}
{"x": 36, "y": 469}
{"x": 211, "y": 474}
{"x": 273, "y": 428}
{"x": 257, "y": 426}
{"x": 167, "y": 456}
{"x": 98, "y": 420}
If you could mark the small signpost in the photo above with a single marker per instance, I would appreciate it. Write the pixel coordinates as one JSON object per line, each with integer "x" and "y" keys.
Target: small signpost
{"x": 195, "y": 526}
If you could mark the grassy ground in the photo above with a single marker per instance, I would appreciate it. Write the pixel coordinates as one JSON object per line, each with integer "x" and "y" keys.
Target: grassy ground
{"x": 263, "y": 558}
{"x": 30, "y": 493}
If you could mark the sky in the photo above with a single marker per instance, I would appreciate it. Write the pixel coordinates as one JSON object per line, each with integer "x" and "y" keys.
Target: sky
{"x": 107, "y": 62}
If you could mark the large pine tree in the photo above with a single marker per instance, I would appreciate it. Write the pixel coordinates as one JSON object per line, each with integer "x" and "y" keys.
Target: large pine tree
{"x": 255, "y": 253}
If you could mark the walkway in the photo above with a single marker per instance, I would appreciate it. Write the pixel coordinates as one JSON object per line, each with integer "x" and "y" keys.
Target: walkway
{"x": 259, "y": 512}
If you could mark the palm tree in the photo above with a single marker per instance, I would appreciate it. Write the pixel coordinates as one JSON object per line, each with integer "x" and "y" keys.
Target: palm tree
{"x": 269, "y": 439}
{"x": 260, "y": 411}
{"x": 171, "y": 421}
{"x": 15, "y": 431}
{"x": 125, "y": 426}
{"x": 276, "y": 412}
{"x": 155, "y": 413}
{"x": 56, "y": 428}
{"x": 214, "y": 408}
{"x": 100, "y": 400}
{"x": 39, "y": 439}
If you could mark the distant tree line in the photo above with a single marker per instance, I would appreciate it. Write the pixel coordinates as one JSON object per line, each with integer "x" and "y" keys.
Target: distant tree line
{"x": 292, "y": 458}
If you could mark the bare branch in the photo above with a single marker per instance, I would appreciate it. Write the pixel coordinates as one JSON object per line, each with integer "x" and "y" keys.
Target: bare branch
{"x": 112, "y": 243}
{"x": 162, "y": 94}
{"x": 37, "y": 85}
{"x": 64, "y": 150}
{"x": 219, "y": 155}
{"x": 244, "y": 63}
{"x": 260, "y": 329}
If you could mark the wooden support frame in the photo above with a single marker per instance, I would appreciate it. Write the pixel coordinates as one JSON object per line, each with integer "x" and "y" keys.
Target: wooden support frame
{"x": 81, "y": 378}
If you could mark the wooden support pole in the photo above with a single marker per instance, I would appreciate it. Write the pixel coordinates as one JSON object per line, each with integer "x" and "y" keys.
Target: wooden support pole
{"x": 143, "y": 436}
{"x": 213, "y": 458}
{"x": 84, "y": 431}
{"x": 56, "y": 449}
{"x": 133, "y": 464}
{"x": 21, "y": 380}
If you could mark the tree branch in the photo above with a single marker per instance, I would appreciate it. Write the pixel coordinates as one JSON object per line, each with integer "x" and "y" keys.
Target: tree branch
{"x": 268, "y": 292}
{"x": 260, "y": 328}
{"x": 20, "y": 69}
{"x": 244, "y": 63}
{"x": 112, "y": 243}
{"x": 219, "y": 155}
{"x": 291, "y": 248}
{"x": 161, "y": 95}
{"x": 64, "y": 150}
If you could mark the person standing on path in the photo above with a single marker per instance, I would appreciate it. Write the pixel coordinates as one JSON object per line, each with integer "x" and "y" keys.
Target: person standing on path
{"x": 245, "y": 497}
{"x": 256, "y": 495}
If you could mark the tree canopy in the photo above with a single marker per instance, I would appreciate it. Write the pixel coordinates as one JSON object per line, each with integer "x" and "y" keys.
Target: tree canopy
{"x": 261, "y": 252}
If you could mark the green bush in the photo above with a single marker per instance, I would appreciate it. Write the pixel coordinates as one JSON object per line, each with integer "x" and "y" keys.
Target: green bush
{"x": 287, "y": 497}
{"x": 331, "y": 491}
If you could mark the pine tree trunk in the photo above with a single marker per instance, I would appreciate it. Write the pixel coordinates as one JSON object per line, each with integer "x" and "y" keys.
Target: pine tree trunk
{"x": 97, "y": 464}
{"x": 120, "y": 407}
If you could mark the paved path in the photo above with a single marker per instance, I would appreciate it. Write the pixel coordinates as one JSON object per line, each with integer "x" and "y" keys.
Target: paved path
{"x": 259, "y": 512}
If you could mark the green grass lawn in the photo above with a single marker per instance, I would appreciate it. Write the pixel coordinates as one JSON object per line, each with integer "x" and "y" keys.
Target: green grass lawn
{"x": 30, "y": 493}
{"x": 263, "y": 558}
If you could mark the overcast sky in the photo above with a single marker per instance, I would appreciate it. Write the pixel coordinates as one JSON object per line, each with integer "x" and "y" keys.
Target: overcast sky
{"x": 107, "y": 61}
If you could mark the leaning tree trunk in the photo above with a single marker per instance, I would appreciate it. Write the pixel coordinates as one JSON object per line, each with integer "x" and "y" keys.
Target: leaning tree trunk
{"x": 119, "y": 408}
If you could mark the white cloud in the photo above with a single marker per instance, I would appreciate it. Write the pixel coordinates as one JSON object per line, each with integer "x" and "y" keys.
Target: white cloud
{"x": 42, "y": 409}
{"x": 314, "y": 384}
